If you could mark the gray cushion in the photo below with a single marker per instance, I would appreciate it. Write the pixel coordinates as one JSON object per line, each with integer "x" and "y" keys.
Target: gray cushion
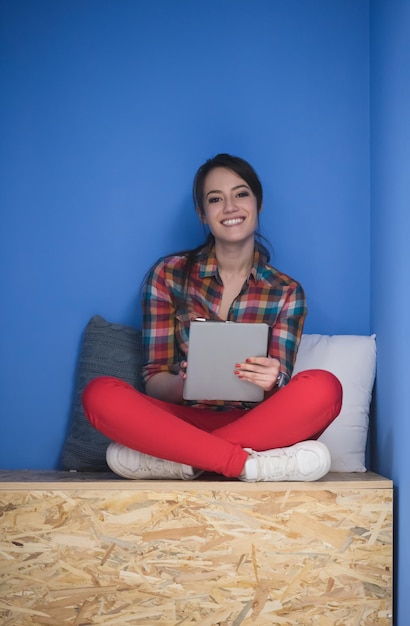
{"x": 107, "y": 350}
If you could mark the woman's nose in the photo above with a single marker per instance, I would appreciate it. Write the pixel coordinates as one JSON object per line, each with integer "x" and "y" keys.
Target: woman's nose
{"x": 230, "y": 205}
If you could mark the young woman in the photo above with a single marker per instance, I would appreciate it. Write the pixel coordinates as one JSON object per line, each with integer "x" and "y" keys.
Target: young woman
{"x": 158, "y": 434}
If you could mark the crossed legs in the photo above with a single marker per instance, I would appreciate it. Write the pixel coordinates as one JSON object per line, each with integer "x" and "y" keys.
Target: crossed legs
{"x": 211, "y": 440}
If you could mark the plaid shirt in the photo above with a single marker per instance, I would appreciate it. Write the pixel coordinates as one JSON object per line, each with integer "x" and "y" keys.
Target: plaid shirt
{"x": 266, "y": 296}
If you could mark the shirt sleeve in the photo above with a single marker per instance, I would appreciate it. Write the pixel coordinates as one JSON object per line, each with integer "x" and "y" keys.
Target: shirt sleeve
{"x": 287, "y": 330}
{"x": 158, "y": 324}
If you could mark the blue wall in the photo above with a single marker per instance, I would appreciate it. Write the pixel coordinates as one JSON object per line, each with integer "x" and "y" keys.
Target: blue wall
{"x": 390, "y": 201}
{"x": 108, "y": 108}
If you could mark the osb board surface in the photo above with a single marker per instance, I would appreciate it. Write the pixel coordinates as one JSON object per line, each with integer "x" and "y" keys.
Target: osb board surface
{"x": 172, "y": 557}
{"x": 35, "y": 479}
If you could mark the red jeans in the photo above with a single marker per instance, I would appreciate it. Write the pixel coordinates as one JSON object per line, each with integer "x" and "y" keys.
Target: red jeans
{"x": 211, "y": 440}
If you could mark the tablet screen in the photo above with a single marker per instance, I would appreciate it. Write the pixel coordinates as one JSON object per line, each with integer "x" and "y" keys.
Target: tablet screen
{"x": 214, "y": 349}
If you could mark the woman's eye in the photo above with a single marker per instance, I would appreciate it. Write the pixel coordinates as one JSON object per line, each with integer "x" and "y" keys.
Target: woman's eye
{"x": 243, "y": 194}
{"x": 214, "y": 199}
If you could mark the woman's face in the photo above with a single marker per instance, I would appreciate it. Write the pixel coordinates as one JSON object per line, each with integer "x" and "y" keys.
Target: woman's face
{"x": 229, "y": 206}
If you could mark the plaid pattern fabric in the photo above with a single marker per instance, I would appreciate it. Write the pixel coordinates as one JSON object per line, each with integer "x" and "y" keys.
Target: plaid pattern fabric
{"x": 267, "y": 296}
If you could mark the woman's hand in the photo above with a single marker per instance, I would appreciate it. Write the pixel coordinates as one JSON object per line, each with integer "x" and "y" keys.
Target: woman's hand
{"x": 182, "y": 369}
{"x": 168, "y": 386}
{"x": 259, "y": 370}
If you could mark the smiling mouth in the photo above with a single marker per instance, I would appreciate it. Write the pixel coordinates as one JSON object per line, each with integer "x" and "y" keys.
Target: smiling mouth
{"x": 233, "y": 221}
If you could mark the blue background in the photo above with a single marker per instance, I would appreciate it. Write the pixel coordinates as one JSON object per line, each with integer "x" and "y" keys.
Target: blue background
{"x": 107, "y": 110}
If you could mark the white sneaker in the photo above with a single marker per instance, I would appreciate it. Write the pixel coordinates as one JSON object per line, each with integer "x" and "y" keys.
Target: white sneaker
{"x": 308, "y": 460}
{"x": 129, "y": 463}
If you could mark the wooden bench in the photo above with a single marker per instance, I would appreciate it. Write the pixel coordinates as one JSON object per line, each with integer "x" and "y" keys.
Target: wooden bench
{"x": 95, "y": 549}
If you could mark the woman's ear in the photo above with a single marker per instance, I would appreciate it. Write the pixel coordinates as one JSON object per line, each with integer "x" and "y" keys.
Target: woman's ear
{"x": 260, "y": 209}
{"x": 201, "y": 215}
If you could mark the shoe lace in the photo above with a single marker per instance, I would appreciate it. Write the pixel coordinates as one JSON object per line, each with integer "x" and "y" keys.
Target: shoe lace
{"x": 280, "y": 466}
{"x": 154, "y": 466}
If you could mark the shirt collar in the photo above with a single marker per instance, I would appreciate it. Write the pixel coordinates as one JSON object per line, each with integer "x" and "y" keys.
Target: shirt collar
{"x": 208, "y": 265}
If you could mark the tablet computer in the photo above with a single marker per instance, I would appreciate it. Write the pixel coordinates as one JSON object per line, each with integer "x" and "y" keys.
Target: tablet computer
{"x": 213, "y": 350}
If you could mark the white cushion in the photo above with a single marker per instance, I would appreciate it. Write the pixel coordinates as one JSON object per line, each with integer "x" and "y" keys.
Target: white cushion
{"x": 352, "y": 358}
